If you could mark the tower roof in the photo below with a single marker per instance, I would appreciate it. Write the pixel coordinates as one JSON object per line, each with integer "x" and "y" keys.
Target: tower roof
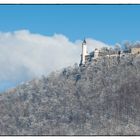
{"x": 84, "y": 42}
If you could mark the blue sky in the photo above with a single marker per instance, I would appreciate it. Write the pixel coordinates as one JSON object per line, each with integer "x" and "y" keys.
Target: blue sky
{"x": 107, "y": 23}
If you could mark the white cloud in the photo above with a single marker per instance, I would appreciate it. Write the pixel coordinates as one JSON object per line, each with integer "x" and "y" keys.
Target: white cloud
{"x": 24, "y": 55}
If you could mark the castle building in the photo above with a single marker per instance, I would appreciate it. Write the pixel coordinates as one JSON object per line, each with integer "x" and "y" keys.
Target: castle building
{"x": 87, "y": 57}
{"x": 135, "y": 50}
{"x": 94, "y": 55}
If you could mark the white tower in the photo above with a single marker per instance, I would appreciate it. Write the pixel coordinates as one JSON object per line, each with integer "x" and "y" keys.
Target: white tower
{"x": 84, "y": 52}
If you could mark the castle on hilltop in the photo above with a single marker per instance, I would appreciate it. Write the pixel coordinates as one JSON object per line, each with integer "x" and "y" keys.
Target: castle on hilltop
{"x": 94, "y": 55}
{"x": 85, "y": 56}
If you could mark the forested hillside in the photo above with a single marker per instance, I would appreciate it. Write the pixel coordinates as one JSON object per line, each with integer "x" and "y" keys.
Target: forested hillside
{"x": 101, "y": 98}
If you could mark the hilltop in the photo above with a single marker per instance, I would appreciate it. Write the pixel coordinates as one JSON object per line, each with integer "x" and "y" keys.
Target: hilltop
{"x": 100, "y": 98}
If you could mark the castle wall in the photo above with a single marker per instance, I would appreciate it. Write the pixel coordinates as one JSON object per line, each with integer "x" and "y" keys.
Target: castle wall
{"x": 135, "y": 50}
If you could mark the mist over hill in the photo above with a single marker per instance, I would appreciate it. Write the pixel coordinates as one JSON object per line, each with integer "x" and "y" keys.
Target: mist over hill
{"x": 100, "y": 98}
